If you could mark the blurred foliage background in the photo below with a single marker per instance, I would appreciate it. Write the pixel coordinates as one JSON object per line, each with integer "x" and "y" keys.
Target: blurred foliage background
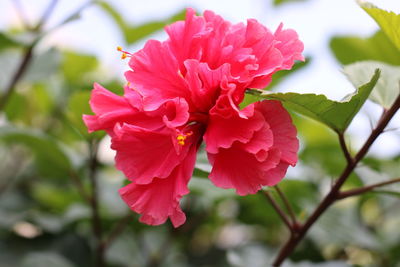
{"x": 59, "y": 204}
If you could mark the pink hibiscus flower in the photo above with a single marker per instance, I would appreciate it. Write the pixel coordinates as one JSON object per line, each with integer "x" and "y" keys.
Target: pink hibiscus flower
{"x": 188, "y": 89}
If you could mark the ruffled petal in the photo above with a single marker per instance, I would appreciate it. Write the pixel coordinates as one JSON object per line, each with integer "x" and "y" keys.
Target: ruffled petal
{"x": 236, "y": 168}
{"x": 283, "y": 130}
{"x": 155, "y": 74}
{"x": 186, "y": 38}
{"x": 109, "y": 109}
{"x": 159, "y": 200}
{"x": 289, "y": 45}
{"x": 224, "y": 130}
{"x": 143, "y": 154}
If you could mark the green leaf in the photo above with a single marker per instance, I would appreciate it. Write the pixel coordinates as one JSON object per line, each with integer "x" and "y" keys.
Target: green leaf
{"x": 200, "y": 173}
{"x": 75, "y": 65}
{"x": 280, "y": 76}
{"x": 51, "y": 159}
{"x": 280, "y": 2}
{"x": 277, "y": 78}
{"x": 133, "y": 34}
{"x": 350, "y": 49}
{"x": 43, "y": 65}
{"x": 336, "y": 115}
{"x": 7, "y": 42}
{"x": 387, "y": 20}
{"x": 77, "y": 106}
{"x": 388, "y": 86}
{"x": 36, "y": 259}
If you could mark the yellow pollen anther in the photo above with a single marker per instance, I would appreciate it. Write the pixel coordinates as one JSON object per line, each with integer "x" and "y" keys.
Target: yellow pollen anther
{"x": 182, "y": 137}
{"x": 124, "y": 53}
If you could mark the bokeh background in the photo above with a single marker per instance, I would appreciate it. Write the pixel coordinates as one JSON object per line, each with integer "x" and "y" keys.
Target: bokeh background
{"x": 48, "y": 159}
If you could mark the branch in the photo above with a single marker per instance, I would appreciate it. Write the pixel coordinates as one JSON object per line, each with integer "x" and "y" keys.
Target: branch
{"x": 117, "y": 230}
{"x": 27, "y": 57}
{"x": 78, "y": 183}
{"x": 332, "y": 196}
{"x": 343, "y": 145}
{"x": 288, "y": 206}
{"x": 364, "y": 189}
{"x": 21, "y": 14}
{"x": 23, "y": 65}
{"x": 94, "y": 204}
{"x": 280, "y": 212}
{"x": 46, "y": 15}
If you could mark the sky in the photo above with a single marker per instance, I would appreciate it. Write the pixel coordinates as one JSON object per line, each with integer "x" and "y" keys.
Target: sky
{"x": 316, "y": 21}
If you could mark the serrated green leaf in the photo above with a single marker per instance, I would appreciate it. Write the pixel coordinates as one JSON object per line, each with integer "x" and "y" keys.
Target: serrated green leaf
{"x": 350, "y": 49}
{"x": 335, "y": 114}
{"x": 388, "y": 86}
{"x": 387, "y": 20}
{"x": 134, "y": 33}
{"x": 277, "y": 78}
{"x": 50, "y": 158}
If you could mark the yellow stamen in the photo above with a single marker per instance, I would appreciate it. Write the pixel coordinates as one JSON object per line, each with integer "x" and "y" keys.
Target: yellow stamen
{"x": 123, "y": 56}
{"x": 182, "y": 137}
{"x": 119, "y": 48}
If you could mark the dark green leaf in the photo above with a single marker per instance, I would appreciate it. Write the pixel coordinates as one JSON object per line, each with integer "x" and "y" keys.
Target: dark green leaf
{"x": 277, "y": 78}
{"x": 336, "y": 115}
{"x": 51, "y": 159}
{"x": 37, "y": 259}
{"x": 7, "y": 42}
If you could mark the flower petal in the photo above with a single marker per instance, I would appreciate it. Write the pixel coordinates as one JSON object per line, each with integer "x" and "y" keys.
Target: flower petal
{"x": 283, "y": 130}
{"x": 109, "y": 109}
{"x": 223, "y": 131}
{"x": 236, "y": 168}
{"x": 143, "y": 154}
{"x": 156, "y": 74}
{"x": 159, "y": 200}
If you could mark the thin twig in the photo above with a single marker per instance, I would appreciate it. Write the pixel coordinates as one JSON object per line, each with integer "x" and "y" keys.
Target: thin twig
{"x": 27, "y": 57}
{"x": 278, "y": 210}
{"x": 332, "y": 196}
{"x": 97, "y": 228}
{"x": 117, "y": 230}
{"x": 364, "y": 189}
{"x": 78, "y": 183}
{"x": 46, "y": 15}
{"x": 343, "y": 145}
{"x": 21, "y": 13}
{"x": 287, "y": 205}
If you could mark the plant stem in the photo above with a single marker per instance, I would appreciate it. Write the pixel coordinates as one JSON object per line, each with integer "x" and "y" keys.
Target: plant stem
{"x": 334, "y": 193}
{"x": 117, "y": 230}
{"x": 343, "y": 145}
{"x": 27, "y": 57}
{"x": 278, "y": 210}
{"x": 364, "y": 189}
{"x": 287, "y": 205}
{"x": 23, "y": 65}
{"x": 94, "y": 204}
